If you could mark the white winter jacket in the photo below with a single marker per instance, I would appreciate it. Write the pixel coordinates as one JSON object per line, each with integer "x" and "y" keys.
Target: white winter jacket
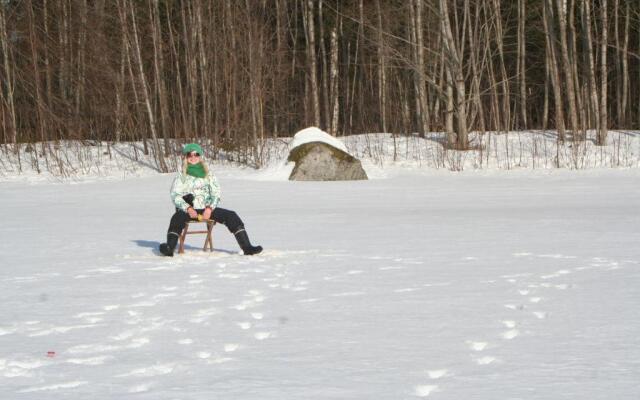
{"x": 205, "y": 191}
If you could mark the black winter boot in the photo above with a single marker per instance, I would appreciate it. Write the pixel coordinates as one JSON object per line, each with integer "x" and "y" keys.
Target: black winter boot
{"x": 245, "y": 244}
{"x": 167, "y": 248}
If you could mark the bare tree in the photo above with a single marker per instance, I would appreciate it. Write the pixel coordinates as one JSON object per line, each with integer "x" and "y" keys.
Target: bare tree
{"x": 9, "y": 78}
{"x": 522, "y": 63}
{"x": 593, "y": 90}
{"x": 601, "y": 139}
{"x": 313, "y": 65}
{"x": 382, "y": 70}
{"x": 145, "y": 87}
{"x": 458, "y": 139}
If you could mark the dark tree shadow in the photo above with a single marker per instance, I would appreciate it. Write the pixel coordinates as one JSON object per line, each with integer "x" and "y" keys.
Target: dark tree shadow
{"x": 153, "y": 245}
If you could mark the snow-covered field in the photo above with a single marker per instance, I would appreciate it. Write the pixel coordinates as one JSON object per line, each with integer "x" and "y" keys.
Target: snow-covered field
{"x": 489, "y": 285}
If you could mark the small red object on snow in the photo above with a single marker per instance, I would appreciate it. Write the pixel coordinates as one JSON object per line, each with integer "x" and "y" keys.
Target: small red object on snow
{"x": 51, "y": 353}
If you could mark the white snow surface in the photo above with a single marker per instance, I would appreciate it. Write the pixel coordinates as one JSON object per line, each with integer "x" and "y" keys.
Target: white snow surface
{"x": 492, "y": 284}
{"x": 313, "y": 134}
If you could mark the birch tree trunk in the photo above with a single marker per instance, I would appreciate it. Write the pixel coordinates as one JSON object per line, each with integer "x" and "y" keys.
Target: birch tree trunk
{"x": 423, "y": 106}
{"x": 47, "y": 64}
{"x": 504, "y": 79}
{"x": 550, "y": 36}
{"x": 593, "y": 90}
{"x": 145, "y": 91}
{"x": 313, "y": 65}
{"x": 40, "y": 129}
{"x": 9, "y": 78}
{"x": 566, "y": 66}
{"x": 602, "y": 130}
{"x": 158, "y": 64}
{"x": 551, "y": 59}
{"x": 334, "y": 82}
{"x": 81, "y": 60}
{"x": 382, "y": 69}
{"x": 623, "y": 121}
{"x": 455, "y": 77}
{"x": 522, "y": 62}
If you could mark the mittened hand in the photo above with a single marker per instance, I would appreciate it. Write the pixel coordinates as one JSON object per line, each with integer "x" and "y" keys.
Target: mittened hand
{"x": 192, "y": 213}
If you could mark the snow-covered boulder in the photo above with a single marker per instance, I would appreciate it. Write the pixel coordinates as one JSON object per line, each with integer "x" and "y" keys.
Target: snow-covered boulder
{"x": 321, "y": 157}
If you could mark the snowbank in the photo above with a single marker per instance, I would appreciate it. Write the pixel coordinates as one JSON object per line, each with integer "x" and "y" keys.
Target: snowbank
{"x": 313, "y": 134}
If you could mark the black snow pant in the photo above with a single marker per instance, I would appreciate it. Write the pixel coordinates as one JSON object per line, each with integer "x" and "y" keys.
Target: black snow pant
{"x": 226, "y": 217}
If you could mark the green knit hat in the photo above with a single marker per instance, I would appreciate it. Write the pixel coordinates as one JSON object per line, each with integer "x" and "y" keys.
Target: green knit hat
{"x": 188, "y": 148}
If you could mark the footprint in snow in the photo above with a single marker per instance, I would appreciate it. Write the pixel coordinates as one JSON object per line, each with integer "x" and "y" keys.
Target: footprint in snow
{"x": 510, "y": 334}
{"x": 477, "y": 346}
{"x": 99, "y": 360}
{"x": 141, "y": 388}
{"x": 509, "y": 324}
{"x": 49, "y": 388}
{"x": 153, "y": 370}
{"x": 244, "y": 325}
{"x": 348, "y": 294}
{"x": 406, "y": 290}
{"x": 438, "y": 373}
{"x": 231, "y": 347}
{"x": 425, "y": 390}
{"x": 262, "y": 335}
{"x": 485, "y": 360}
{"x": 535, "y": 299}
{"x": 540, "y": 314}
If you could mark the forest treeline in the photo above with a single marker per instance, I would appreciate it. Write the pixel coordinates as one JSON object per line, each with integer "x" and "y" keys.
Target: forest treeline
{"x": 235, "y": 72}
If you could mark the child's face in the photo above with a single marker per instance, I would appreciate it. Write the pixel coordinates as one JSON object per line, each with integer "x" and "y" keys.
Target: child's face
{"x": 193, "y": 158}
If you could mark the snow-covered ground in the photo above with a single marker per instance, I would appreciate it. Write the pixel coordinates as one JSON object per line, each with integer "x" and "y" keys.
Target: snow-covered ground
{"x": 492, "y": 284}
